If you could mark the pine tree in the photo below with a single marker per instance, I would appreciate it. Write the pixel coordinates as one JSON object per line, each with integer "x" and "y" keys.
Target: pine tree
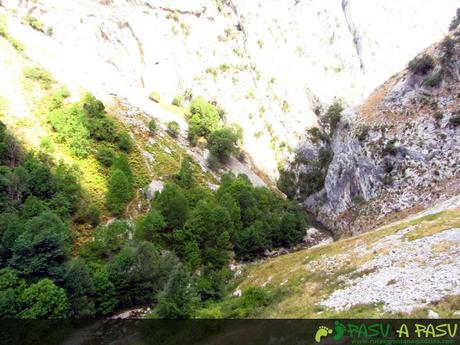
{"x": 119, "y": 192}
{"x": 179, "y": 298}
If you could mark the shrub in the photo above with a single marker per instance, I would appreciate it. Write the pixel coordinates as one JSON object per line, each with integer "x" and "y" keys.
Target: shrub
{"x": 222, "y": 143}
{"x": 42, "y": 247}
{"x": 119, "y": 192}
{"x": 34, "y": 23}
{"x": 125, "y": 143}
{"x": 204, "y": 118}
{"x": 152, "y": 126}
{"x": 179, "y": 298}
{"x": 68, "y": 122}
{"x": 40, "y": 75}
{"x": 422, "y": 65}
{"x": 88, "y": 213}
{"x": 285, "y": 107}
{"x": 333, "y": 116}
{"x": 105, "y": 155}
{"x": 47, "y": 145}
{"x": 185, "y": 176}
{"x": 317, "y": 135}
{"x": 312, "y": 181}
{"x": 173, "y": 128}
{"x": 104, "y": 293}
{"x": 101, "y": 128}
{"x": 154, "y": 96}
{"x": 177, "y": 101}
{"x": 44, "y": 300}
{"x": 188, "y": 95}
{"x": 16, "y": 44}
{"x": 150, "y": 227}
{"x": 173, "y": 205}
{"x": 79, "y": 286}
{"x": 121, "y": 163}
{"x": 57, "y": 101}
{"x": 287, "y": 183}
{"x": 92, "y": 106}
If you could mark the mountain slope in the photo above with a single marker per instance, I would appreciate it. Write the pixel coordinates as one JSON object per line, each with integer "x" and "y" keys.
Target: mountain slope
{"x": 403, "y": 269}
{"x": 234, "y": 52}
{"x": 395, "y": 154}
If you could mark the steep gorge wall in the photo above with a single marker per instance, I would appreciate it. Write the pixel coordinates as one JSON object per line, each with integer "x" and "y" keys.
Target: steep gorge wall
{"x": 269, "y": 64}
{"x": 397, "y": 153}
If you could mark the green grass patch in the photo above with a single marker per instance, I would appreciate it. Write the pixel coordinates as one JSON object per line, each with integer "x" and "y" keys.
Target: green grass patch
{"x": 40, "y": 75}
{"x": 306, "y": 287}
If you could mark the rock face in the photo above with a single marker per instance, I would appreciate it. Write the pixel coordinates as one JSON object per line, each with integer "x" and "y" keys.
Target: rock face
{"x": 398, "y": 152}
{"x": 269, "y": 64}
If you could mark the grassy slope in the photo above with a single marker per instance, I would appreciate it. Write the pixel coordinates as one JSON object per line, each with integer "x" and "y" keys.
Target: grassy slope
{"x": 24, "y": 105}
{"x": 304, "y": 289}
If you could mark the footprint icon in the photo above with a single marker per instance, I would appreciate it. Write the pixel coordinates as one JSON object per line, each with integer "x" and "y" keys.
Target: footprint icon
{"x": 322, "y": 331}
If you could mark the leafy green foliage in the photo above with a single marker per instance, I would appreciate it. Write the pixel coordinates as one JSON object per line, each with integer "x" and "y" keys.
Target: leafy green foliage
{"x": 125, "y": 143}
{"x": 204, "y": 118}
{"x": 173, "y": 128}
{"x": 173, "y": 205}
{"x": 44, "y": 300}
{"x": 40, "y": 75}
{"x": 333, "y": 116}
{"x": 11, "y": 287}
{"x": 34, "y": 23}
{"x": 68, "y": 122}
{"x": 39, "y": 199}
{"x": 177, "y": 101}
{"x": 104, "y": 293}
{"x": 155, "y": 96}
{"x": 138, "y": 273}
{"x": 105, "y": 155}
{"x": 422, "y": 64}
{"x": 179, "y": 298}
{"x": 78, "y": 283}
{"x": 185, "y": 176}
{"x": 152, "y": 126}
{"x": 119, "y": 192}
{"x": 222, "y": 143}
{"x": 317, "y": 135}
{"x": 211, "y": 226}
{"x": 42, "y": 247}
{"x": 287, "y": 183}
{"x": 151, "y": 227}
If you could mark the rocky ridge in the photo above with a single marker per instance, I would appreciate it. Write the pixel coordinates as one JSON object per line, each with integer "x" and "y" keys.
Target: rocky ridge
{"x": 397, "y": 153}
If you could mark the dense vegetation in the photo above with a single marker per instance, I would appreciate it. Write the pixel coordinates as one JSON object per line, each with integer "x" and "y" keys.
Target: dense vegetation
{"x": 175, "y": 257}
{"x": 205, "y": 121}
{"x": 302, "y": 182}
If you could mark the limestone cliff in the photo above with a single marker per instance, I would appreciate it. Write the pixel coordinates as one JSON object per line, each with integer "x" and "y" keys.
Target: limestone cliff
{"x": 399, "y": 151}
{"x": 269, "y": 64}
